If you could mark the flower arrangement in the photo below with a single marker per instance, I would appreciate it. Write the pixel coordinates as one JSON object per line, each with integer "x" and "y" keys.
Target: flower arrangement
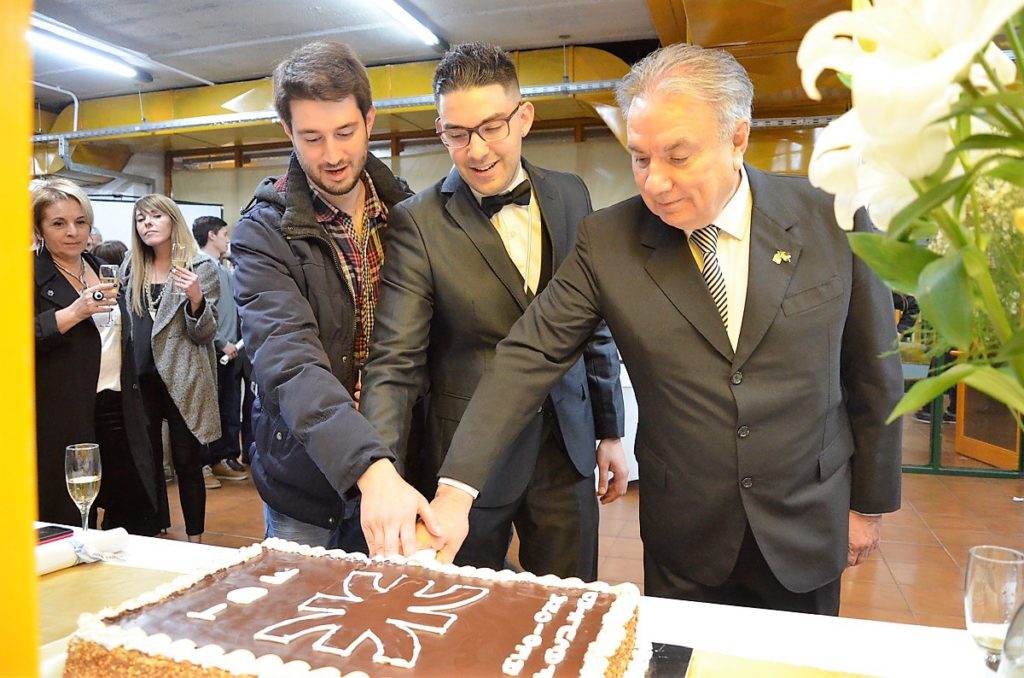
{"x": 933, "y": 148}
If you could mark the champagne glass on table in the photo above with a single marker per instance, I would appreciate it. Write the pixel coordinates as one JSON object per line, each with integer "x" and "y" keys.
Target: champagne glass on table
{"x": 179, "y": 259}
{"x": 82, "y": 472}
{"x": 993, "y": 590}
{"x": 109, "y": 275}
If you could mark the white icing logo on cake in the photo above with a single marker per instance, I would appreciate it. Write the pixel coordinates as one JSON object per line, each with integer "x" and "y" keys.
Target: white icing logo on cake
{"x": 393, "y": 616}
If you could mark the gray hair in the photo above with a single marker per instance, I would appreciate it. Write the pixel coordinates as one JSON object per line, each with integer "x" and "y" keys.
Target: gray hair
{"x": 711, "y": 75}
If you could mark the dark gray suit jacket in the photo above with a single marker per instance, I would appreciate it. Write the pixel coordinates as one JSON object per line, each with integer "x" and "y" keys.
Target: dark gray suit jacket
{"x": 449, "y": 294}
{"x": 786, "y": 433}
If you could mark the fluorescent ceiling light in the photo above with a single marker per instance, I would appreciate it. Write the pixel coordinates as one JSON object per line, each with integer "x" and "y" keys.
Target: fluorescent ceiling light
{"x": 80, "y": 55}
{"x": 403, "y": 17}
{"x": 68, "y": 33}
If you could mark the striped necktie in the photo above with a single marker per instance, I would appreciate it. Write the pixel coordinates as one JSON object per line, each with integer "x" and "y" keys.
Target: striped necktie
{"x": 706, "y": 240}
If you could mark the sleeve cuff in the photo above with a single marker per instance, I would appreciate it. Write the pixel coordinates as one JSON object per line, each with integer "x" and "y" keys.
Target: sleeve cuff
{"x": 462, "y": 486}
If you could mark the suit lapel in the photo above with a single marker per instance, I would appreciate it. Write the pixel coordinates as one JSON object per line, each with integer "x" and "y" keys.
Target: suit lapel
{"x": 771, "y": 232}
{"x": 673, "y": 269}
{"x": 57, "y": 289}
{"x": 465, "y": 211}
{"x": 552, "y": 212}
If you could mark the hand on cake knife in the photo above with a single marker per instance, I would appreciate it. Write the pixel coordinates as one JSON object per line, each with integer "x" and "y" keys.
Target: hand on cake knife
{"x": 389, "y": 510}
{"x": 451, "y": 507}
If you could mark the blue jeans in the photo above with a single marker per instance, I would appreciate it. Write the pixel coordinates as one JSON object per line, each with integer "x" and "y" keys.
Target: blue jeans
{"x": 347, "y": 536}
{"x": 285, "y": 527}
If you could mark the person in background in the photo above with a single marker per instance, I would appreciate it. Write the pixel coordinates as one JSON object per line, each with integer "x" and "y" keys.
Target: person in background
{"x": 308, "y": 251}
{"x": 754, "y": 340}
{"x": 906, "y": 306}
{"x": 462, "y": 265}
{"x": 86, "y": 384}
{"x": 222, "y": 455}
{"x": 95, "y": 238}
{"x": 173, "y": 312}
{"x": 110, "y": 251}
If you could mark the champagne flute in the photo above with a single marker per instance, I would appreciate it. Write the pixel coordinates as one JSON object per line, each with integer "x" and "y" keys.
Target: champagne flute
{"x": 82, "y": 472}
{"x": 108, "y": 275}
{"x": 993, "y": 590}
{"x": 179, "y": 259}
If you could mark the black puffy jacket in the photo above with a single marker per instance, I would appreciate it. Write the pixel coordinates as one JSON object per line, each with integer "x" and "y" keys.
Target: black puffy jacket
{"x": 299, "y": 324}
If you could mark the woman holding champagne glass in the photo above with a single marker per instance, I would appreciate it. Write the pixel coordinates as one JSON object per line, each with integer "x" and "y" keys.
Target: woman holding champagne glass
{"x": 87, "y": 390}
{"x": 172, "y": 299}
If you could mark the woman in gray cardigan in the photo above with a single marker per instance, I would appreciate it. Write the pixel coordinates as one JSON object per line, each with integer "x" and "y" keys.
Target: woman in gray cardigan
{"x": 172, "y": 306}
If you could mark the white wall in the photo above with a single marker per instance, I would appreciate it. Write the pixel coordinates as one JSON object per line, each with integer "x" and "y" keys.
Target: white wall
{"x": 230, "y": 187}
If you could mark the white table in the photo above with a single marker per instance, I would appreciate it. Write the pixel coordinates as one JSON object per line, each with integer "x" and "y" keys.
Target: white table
{"x": 853, "y": 645}
{"x": 837, "y": 644}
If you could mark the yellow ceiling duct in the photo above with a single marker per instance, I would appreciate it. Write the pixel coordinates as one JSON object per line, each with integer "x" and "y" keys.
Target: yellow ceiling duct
{"x": 222, "y": 115}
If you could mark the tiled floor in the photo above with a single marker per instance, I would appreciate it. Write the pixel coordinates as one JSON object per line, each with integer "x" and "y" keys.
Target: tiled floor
{"x": 915, "y": 577}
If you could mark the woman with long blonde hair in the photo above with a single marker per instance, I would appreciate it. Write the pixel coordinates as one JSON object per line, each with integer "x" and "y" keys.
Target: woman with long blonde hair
{"x": 172, "y": 305}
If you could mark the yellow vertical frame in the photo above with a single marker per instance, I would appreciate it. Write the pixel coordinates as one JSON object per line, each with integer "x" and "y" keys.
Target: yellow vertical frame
{"x": 19, "y": 622}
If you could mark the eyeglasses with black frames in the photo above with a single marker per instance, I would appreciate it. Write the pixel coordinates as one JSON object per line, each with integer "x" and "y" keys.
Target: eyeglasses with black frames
{"x": 491, "y": 130}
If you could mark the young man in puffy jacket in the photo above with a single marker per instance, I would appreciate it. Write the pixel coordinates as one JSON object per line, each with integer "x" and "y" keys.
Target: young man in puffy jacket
{"x": 309, "y": 252}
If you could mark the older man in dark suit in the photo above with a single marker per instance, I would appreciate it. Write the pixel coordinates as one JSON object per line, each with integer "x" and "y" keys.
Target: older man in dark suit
{"x": 753, "y": 340}
{"x": 464, "y": 258}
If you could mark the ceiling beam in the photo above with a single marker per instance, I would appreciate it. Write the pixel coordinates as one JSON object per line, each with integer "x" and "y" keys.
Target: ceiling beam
{"x": 669, "y": 17}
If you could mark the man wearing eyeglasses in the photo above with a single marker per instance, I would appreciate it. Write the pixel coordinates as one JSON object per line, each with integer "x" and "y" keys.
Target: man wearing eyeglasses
{"x": 464, "y": 259}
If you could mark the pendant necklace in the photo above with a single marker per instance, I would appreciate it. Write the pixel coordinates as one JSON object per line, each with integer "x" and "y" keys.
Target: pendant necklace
{"x": 147, "y": 293}
{"x": 79, "y": 277}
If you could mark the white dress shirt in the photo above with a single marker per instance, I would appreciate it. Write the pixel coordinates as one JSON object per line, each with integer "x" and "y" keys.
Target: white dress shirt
{"x": 733, "y": 253}
{"x": 520, "y": 230}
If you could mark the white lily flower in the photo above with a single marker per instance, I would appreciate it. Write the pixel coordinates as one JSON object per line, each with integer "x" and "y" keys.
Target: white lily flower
{"x": 919, "y": 49}
{"x": 911, "y": 155}
{"x": 859, "y": 171}
{"x": 838, "y": 151}
{"x": 884, "y": 192}
{"x": 1001, "y": 65}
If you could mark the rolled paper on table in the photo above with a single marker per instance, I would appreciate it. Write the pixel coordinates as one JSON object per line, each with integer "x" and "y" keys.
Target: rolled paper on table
{"x": 64, "y": 553}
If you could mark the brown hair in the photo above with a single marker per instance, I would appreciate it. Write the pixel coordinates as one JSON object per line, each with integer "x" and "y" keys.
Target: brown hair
{"x": 474, "y": 64}
{"x": 320, "y": 71}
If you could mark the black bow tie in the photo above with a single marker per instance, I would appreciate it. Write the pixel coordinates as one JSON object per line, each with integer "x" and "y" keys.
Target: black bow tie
{"x": 492, "y": 204}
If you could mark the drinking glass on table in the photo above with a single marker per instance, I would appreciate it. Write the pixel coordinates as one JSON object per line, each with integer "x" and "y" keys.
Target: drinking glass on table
{"x": 1012, "y": 663}
{"x": 993, "y": 590}
{"x": 109, "y": 275}
{"x": 179, "y": 259}
{"x": 82, "y": 472}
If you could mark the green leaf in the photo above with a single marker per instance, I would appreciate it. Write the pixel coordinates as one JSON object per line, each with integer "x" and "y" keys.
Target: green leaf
{"x": 944, "y": 295}
{"x": 898, "y": 264}
{"x": 927, "y": 390}
{"x": 969, "y": 105}
{"x": 998, "y": 384}
{"x": 980, "y": 142}
{"x": 1012, "y": 348}
{"x": 922, "y": 230}
{"x": 925, "y": 203}
{"x": 1008, "y": 169}
{"x": 975, "y": 263}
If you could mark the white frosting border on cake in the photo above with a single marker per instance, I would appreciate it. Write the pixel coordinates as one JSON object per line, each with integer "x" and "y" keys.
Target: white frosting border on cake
{"x": 94, "y": 628}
